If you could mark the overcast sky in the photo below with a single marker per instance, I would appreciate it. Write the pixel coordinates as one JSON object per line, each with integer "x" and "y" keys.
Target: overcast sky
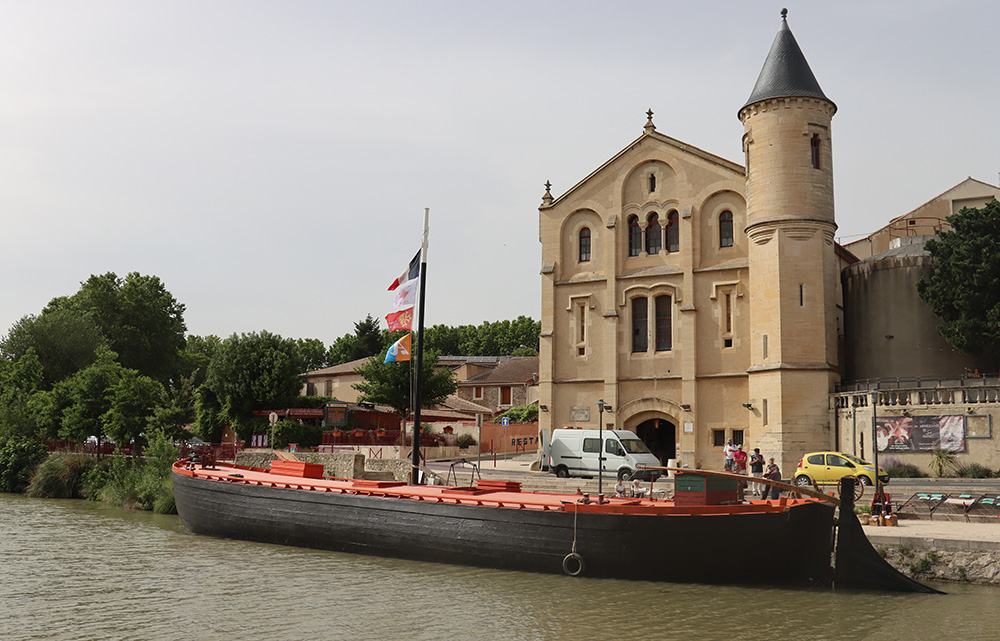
{"x": 270, "y": 161}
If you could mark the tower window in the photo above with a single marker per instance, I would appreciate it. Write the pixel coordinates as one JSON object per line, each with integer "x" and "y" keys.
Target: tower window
{"x": 640, "y": 335}
{"x": 584, "y": 245}
{"x": 814, "y": 144}
{"x": 802, "y": 295}
{"x": 763, "y": 345}
{"x": 652, "y": 183}
{"x": 673, "y": 232}
{"x": 653, "y": 235}
{"x": 663, "y": 323}
{"x": 726, "y": 229}
{"x": 634, "y": 236}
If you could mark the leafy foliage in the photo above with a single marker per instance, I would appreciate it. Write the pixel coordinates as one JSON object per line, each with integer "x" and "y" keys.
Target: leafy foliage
{"x": 140, "y": 319}
{"x": 18, "y": 458}
{"x": 974, "y": 471}
{"x": 291, "y": 431}
{"x": 522, "y": 414}
{"x": 942, "y": 461}
{"x": 964, "y": 288}
{"x": 64, "y": 341}
{"x": 254, "y": 371}
{"x": 898, "y": 470}
{"x": 367, "y": 340}
{"x": 61, "y": 476}
{"x": 389, "y": 383}
{"x": 465, "y": 440}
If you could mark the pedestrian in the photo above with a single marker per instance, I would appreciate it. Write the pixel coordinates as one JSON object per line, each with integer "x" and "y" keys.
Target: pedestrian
{"x": 727, "y": 455}
{"x": 757, "y": 471}
{"x": 740, "y": 467}
{"x": 774, "y": 474}
{"x": 621, "y": 488}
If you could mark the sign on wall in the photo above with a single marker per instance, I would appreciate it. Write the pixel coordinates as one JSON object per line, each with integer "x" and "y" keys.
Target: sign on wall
{"x": 920, "y": 433}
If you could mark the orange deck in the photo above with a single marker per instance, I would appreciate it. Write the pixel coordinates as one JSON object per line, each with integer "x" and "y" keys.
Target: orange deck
{"x": 486, "y": 493}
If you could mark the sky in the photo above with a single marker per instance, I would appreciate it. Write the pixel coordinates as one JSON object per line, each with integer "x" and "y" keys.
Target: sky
{"x": 271, "y": 161}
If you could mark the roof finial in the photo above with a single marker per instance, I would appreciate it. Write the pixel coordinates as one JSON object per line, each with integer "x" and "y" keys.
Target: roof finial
{"x": 547, "y": 198}
{"x": 650, "y": 127}
{"x": 784, "y": 15}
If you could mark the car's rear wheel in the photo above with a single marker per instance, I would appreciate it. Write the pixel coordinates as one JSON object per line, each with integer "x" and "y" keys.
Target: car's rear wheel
{"x": 562, "y": 472}
{"x": 803, "y": 481}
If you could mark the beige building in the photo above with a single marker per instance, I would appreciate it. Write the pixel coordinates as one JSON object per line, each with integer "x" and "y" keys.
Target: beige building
{"x": 697, "y": 298}
{"x": 703, "y": 300}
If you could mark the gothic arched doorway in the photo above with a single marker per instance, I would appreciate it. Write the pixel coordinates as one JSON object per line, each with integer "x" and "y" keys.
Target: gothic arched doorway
{"x": 660, "y": 436}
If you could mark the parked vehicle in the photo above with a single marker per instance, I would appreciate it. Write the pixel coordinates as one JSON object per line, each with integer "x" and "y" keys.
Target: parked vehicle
{"x": 574, "y": 452}
{"x": 825, "y": 468}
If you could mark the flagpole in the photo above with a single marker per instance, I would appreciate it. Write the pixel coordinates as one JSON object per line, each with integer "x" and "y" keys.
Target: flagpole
{"x": 415, "y": 479}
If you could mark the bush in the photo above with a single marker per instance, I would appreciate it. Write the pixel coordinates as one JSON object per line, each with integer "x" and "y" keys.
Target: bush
{"x": 18, "y": 458}
{"x": 898, "y": 470}
{"x": 522, "y": 414}
{"x": 465, "y": 440}
{"x": 974, "y": 471}
{"x": 142, "y": 484}
{"x": 61, "y": 476}
{"x": 291, "y": 431}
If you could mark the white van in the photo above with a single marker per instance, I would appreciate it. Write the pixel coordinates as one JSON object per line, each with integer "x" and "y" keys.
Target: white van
{"x": 573, "y": 452}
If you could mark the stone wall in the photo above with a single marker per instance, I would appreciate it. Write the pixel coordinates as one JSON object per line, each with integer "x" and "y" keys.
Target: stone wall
{"x": 941, "y": 560}
{"x": 345, "y": 465}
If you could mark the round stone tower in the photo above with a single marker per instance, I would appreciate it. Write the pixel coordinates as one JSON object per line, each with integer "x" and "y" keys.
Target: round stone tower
{"x": 793, "y": 265}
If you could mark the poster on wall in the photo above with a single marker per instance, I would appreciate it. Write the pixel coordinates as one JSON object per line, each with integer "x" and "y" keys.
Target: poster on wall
{"x": 920, "y": 433}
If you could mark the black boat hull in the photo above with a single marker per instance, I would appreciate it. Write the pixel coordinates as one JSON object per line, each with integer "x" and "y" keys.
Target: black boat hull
{"x": 796, "y": 543}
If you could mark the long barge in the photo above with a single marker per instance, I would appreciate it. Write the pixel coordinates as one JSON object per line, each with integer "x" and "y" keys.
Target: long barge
{"x": 495, "y": 525}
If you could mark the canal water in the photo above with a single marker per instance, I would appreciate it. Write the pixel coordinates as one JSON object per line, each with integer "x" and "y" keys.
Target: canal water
{"x": 75, "y": 570}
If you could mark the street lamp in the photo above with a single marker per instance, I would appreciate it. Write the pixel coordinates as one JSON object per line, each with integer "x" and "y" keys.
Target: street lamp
{"x": 601, "y": 406}
{"x": 878, "y": 484}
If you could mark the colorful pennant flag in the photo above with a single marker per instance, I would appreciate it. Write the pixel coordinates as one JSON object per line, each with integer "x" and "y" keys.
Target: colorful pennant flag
{"x": 400, "y": 350}
{"x": 406, "y": 294}
{"x": 403, "y": 319}
{"x": 410, "y": 273}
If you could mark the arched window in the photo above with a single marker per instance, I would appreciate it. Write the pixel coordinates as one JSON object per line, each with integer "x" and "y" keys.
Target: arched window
{"x": 726, "y": 229}
{"x": 640, "y": 333}
{"x": 664, "y": 332}
{"x": 634, "y": 236}
{"x": 653, "y": 235}
{"x": 584, "y": 245}
{"x": 673, "y": 232}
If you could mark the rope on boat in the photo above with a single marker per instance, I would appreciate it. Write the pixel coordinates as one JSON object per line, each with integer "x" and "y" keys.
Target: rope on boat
{"x": 573, "y": 557}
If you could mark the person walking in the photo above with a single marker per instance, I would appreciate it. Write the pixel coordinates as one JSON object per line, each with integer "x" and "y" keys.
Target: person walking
{"x": 757, "y": 471}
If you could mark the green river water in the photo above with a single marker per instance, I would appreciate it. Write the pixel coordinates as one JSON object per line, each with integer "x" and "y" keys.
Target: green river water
{"x": 75, "y": 570}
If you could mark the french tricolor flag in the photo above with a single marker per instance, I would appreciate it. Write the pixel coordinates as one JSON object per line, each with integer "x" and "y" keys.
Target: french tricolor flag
{"x": 410, "y": 273}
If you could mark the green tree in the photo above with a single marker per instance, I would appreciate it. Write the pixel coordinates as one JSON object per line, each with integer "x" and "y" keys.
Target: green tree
{"x": 254, "y": 371}
{"x": 196, "y": 357}
{"x": 140, "y": 319}
{"x": 132, "y": 401}
{"x": 18, "y": 458}
{"x": 313, "y": 353}
{"x": 964, "y": 288}
{"x": 20, "y": 381}
{"x": 64, "y": 340}
{"x": 175, "y": 410}
{"x": 367, "y": 340}
{"x": 209, "y": 419}
{"x": 389, "y": 383}
{"x": 88, "y": 395}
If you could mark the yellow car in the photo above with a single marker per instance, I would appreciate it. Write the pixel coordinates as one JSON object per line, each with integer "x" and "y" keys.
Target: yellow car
{"x": 825, "y": 468}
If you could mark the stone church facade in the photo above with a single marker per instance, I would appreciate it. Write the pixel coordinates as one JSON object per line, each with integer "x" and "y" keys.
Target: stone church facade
{"x": 697, "y": 297}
